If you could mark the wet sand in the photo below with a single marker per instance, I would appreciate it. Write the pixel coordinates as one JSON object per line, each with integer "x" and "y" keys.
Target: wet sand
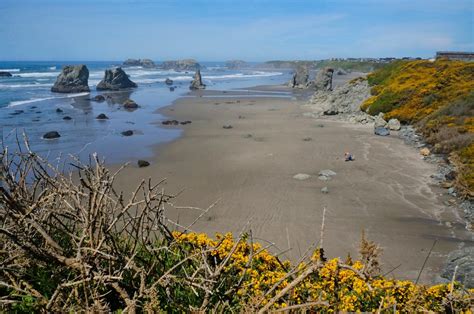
{"x": 249, "y": 171}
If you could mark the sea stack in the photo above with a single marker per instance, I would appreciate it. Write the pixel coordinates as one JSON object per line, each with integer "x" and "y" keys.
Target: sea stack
{"x": 73, "y": 79}
{"x": 300, "y": 78}
{"x": 115, "y": 79}
{"x": 181, "y": 65}
{"x": 323, "y": 80}
{"x": 197, "y": 82}
{"x": 146, "y": 63}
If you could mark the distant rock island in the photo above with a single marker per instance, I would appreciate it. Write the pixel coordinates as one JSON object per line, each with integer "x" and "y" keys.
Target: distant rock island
{"x": 72, "y": 79}
{"x": 115, "y": 79}
{"x": 5, "y": 74}
{"x": 146, "y": 63}
{"x": 181, "y": 65}
{"x": 236, "y": 64}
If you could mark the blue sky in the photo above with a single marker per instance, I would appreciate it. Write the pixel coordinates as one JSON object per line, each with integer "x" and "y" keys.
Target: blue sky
{"x": 219, "y": 30}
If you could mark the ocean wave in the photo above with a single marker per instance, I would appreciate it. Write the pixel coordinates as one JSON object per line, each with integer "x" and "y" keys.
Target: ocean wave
{"x": 28, "y": 101}
{"x": 10, "y": 70}
{"x": 24, "y": 85}
{"x": 241, "y": 75}
{"x": 40, "y": 74}
{"x": 32, "y": 100}
{"x": 52, "y": 68}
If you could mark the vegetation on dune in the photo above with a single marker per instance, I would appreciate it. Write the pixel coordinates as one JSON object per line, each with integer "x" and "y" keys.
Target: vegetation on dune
{"x": 78, "y": 245}
{"x": 355, "y": 65}
{"x": 438, "y": 97}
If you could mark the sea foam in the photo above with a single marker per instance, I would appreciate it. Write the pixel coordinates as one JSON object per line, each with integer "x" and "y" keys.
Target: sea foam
{"x": 32, "y": 100}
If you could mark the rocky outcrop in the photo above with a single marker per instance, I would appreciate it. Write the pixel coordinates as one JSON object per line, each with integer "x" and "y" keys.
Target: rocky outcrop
{"x": 300, "y": 78}
{"x": 463, "y": 259}
{"x": 169, "y": 81}
{"x": 146, "y": 63}
{"x": 181, "y": 65}
{"x": 115, "y": 79}
{"x": 345, "y": 99}
{"x": 5, "y": 74}
{"x": 323, "y": 80}
{"x": 73, "y": 79}
{"x": 197, "y": 82}
{"x": 235, "y": 64}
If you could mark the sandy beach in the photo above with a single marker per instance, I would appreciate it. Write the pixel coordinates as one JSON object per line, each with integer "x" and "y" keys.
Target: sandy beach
{"x": 248, "y": 170}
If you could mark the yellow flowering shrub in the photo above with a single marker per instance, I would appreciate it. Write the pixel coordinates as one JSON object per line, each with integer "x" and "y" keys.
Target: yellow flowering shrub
{"x": 336, "y": 285}
{"x": 438, "y": 97}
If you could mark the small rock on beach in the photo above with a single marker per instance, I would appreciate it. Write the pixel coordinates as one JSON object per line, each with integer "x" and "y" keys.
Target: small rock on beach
{"x": 51, "y": 135}
{"x": 301, "y": 176}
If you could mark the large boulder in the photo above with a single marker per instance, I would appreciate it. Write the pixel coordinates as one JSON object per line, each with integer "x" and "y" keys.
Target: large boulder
{"x": 115, "y": 79}
{"x": 181, "y": 65}
{"x": 146, "y": 63}
{"x": 197, "y": 82}
{"x": 394, "y": 124}
{"x": 300, "y": 78}
{"x": 72, "y": 79}
{"x": 323, "y": 80}
{"x": 379, "y": 121}
{"x": 381, "y": 131}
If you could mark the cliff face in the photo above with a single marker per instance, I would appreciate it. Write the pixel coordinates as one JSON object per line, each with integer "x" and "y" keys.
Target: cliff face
{"x": 438, "y": 97}
{"x": 345, "y": 99}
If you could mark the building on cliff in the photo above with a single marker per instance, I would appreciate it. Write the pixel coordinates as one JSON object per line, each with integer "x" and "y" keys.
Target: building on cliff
{"x": 455, "y": 55}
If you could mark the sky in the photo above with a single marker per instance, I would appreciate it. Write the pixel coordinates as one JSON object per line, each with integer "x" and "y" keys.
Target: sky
{"x": 218, "y": 30}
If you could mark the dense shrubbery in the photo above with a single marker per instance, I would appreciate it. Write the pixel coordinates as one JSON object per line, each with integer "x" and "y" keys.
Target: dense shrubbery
{"x": 438, "y": 97}
{"x": 77, "y": 245}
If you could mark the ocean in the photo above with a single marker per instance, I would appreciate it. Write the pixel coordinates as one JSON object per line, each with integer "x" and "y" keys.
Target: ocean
{"x": 27, "y": 106}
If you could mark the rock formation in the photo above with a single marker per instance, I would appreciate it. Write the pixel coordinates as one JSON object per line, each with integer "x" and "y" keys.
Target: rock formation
{"x": 345, "y": 99}
{"x": 197, "y": 82}
{"x": 235, "y": 64}
{"x": 5, "y": 74}
{"x": 146, "y": 63}
{"x": 323, "y": 80}
{"x": 115, "y": 79}
{"x": 300, "y": 78}
{"x": 169, "y": 81}
{"x": 130, "y": 105}
{"x": 181, "y": 65}
{"x": 394, "y": 124}
{"x": 73, "y": 79}
{"x": 51, "y": 135}
{"x": 461, "y": 263}
{"x": 379, "y": 121}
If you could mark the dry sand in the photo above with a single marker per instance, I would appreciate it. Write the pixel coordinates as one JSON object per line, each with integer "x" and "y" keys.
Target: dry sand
{"x": 249, "y": 170}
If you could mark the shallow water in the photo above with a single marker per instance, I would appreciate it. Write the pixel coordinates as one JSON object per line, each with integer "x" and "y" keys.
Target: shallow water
{"x": 27, "y": 105}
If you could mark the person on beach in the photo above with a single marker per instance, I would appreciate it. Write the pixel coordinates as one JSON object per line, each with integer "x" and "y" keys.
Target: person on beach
{"x": 348, "y": 156}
